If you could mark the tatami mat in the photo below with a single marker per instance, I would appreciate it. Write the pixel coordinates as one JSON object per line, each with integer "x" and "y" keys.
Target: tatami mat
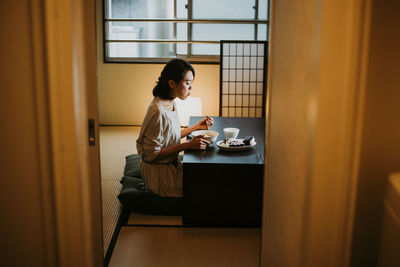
{"x": 144, "y": 219}
{"x": 111, "y": 209}
{"x": 186, "y": 246}
{"x": 115, "y": 144}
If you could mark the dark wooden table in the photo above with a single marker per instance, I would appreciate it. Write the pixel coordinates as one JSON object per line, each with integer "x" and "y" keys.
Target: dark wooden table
{"x": 225, "y": 188}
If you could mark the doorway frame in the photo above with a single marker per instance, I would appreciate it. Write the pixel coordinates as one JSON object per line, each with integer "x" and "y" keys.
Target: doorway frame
{"x": 313, "y": 145}
{"x": 65, "y": 47}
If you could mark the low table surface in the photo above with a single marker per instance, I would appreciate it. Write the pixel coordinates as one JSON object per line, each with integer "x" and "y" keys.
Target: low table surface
{"x": 247, "y": 127}
{"x": 224, "y": 188}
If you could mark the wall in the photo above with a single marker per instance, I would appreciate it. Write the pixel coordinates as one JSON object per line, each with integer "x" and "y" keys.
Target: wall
{"x": 380, "y": 149}
{"x": 291, "y": 88}
{"x": 26, "y": 231}
{"x": 45, "y": 196}
{"x": 125, "y": 90}
{"x": 317, "y": 66}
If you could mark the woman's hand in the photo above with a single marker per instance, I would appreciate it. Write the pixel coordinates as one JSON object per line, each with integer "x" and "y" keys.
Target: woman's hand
{"x": 205, "y": 123}
{"x": 198, "y": 143}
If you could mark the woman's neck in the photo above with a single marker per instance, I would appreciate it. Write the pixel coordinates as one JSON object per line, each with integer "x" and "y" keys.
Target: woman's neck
{"x": 167, "y": 104}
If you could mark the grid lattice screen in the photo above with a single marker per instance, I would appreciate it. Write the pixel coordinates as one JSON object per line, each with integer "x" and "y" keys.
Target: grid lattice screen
{"x": 243, "y": 78}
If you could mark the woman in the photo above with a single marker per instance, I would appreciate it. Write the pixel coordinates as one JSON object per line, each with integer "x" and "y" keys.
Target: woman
{"x": 159, "y": 139}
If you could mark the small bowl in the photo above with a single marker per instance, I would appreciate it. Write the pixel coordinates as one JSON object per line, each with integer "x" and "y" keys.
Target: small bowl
{"x": 231, "y": 132}
{"x": 210, "y": 135}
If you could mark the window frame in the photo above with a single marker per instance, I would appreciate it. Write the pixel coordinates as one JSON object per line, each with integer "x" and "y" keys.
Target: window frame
{"x": 198, "y": 59}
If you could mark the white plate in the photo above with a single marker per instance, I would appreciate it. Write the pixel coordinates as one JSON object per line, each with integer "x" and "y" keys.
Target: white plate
{"x": 225, "y": 147}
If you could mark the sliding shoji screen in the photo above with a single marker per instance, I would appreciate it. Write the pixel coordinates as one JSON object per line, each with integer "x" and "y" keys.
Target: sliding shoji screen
{"x": 242, "y": 78}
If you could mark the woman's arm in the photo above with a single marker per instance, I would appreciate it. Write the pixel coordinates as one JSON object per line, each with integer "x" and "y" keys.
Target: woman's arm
{"x": 196, "y": 143}
{"x": 203, "y": 124}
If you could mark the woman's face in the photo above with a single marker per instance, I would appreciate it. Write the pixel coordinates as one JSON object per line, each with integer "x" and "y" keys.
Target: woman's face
{"x": 183, "y": 88}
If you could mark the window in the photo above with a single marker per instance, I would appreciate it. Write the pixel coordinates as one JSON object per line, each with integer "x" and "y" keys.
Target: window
{"x": 158, "y": 30}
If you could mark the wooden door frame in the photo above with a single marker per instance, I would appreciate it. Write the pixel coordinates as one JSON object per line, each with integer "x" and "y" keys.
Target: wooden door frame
{"x": 313, "y": 226}
{"x": 65, "y": 76}
{"x": 75, "y": 198}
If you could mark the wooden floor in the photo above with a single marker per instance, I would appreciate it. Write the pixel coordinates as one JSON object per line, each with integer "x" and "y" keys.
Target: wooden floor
{"x": 186, "y": 246}
{"x": 161, "y": 240}
{"x": 144, "y": 219}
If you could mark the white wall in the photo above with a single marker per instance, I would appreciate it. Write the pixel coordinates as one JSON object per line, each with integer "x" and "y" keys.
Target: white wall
{"x": 125, "y": 90}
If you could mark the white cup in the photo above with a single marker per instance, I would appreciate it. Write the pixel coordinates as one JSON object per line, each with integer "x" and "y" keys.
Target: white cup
{"x": 231, "y": 132}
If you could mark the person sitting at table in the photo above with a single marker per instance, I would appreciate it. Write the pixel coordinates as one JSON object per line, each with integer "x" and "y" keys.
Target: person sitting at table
{"x": 159, "y": 141}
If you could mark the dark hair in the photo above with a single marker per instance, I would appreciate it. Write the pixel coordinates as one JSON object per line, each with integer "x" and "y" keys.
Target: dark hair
{"x": 174, "y": 70}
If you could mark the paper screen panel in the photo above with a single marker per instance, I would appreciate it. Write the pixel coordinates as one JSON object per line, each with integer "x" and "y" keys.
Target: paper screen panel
{"x": 243, "y": 78}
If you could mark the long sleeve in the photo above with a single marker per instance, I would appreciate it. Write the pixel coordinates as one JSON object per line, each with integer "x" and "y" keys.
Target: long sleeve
{"x": 151, "y": 138}
{"x": 160, "y": 129}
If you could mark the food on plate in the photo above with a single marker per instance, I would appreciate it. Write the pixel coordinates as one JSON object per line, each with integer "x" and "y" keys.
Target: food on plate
{"x": 234, "y": 142}
{"x": 247, "y": 141}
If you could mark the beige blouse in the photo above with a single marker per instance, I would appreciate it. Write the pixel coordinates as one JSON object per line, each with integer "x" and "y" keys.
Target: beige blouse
{"x": 160, "y": 129}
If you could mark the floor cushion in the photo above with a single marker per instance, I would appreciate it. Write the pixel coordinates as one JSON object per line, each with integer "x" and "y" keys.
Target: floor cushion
{"x": 132, "y": 166}
{"x": 137, "y": 197}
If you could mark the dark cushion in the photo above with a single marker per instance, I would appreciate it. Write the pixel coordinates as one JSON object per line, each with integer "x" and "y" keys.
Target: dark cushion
{"x": 135, "y": 196}
{"x": 132, "y": 166}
